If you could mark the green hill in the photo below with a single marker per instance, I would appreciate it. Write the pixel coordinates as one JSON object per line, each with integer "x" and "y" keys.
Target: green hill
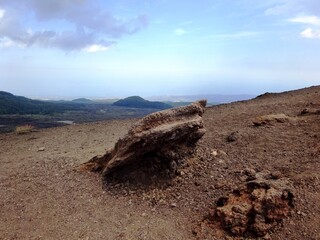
{"x": 11, "y": 104}
{"x": 139, "y": 102}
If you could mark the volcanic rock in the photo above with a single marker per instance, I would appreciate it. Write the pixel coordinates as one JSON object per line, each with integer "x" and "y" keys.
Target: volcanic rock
{"x": 256, "y": 208}
{"x": 166, "y": 136}
{"x": 232, "y": 137}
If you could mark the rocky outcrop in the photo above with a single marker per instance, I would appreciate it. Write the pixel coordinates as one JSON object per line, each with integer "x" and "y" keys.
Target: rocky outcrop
{"x": 166, "y": 136}
{"x": 256, "y": 208}
{"x": 310, "y": 111}
{"x": 272, "y": 118}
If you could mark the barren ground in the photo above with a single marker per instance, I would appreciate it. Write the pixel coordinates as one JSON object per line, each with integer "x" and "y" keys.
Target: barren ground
{"x": 44, "y": 197}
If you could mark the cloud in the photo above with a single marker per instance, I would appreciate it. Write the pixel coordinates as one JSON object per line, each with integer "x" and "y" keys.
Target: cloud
{"x": 2, "y": 12}
{"x": 310, "y": 33}
{"x": 7, "y": 43}
{"x": 179, "y": 32}
{"x": 83, "y": 24}
{"x": 313, "y": 20}
{"x": 95, "y": 48}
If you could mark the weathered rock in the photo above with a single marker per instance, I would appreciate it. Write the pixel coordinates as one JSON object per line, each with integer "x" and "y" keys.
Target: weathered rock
{"x": 256, "y": 208}
{"x": 232, "y": 137}
{"x": 308, "y": 111}
{"x": 41, "y": 149}
{"x": 272, "y": 118}
{"x": 166, "y": 136}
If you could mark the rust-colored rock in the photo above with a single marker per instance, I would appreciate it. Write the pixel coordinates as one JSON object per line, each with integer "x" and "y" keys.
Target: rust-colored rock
{"x": 256, "y": 208}
{"x": 167, "y": 135}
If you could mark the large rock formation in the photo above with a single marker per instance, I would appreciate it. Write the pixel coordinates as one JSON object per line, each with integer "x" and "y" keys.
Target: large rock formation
{"x": 166, "y": 136}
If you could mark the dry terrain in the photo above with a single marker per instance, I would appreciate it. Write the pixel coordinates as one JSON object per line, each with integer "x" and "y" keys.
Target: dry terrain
{"x": 43, "y": 196}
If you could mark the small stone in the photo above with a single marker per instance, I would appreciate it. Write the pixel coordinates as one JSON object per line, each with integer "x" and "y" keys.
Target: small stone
{"x": 250, "y": 173}
{"x": 223, "y": 153}
{"x": 162, "y": 202}
{"x": 41, "y": 149}
{"x": 232, "y": 137}
{"x": 275, "y": 175}
{"x": 144, "y": 214}
{"x": 305, "y": 111}
{"x": 302, "y": 213}
{"x": 267, "y": 237}
{"x": 173, "y": 205}
{"x": 197, "y": 183}
{"x": 214, "y": 153}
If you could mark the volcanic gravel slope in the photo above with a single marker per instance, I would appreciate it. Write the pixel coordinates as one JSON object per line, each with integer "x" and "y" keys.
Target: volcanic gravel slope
{"x": 44, "y": 196}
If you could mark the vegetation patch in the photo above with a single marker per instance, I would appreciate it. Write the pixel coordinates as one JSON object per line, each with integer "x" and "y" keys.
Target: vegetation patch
{"x": 24, "y": 129}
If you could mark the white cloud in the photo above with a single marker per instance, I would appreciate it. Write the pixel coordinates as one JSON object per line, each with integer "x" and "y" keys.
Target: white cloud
{"x": 2, "y": 12}
{"x": 8, "y": 43}
{"x": 87, "y": 23}
{"x": 313, "y": 20}
{"x": 179, "y": 32}
{"x": 310, "y": 33}
{"x": 95, "y": 48}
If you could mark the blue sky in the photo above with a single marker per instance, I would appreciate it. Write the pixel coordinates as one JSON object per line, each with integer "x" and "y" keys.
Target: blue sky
{"x": 117, "y": 48}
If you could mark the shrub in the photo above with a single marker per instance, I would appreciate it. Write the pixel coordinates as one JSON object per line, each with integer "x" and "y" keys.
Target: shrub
{"x": 24, "y": 129}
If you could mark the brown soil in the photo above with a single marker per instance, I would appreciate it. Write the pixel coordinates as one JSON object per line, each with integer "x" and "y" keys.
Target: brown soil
{"x": 44, "y": 197}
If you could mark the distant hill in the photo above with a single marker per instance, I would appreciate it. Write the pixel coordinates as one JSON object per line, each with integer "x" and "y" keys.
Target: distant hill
{"x": 82, "y": 100}
{"x": 139, "y": 102}
{"x": 11, "y": 104}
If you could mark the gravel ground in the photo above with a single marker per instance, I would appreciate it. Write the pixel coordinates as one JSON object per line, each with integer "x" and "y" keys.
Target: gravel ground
{"x": 43, "y": 196}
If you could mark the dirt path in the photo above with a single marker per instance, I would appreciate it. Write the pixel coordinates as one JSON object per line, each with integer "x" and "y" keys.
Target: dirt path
{"x": 43, "y": 197}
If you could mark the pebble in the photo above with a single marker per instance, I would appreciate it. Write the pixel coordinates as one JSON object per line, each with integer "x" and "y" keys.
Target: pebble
{"x": 173, "y": 205}
{"x": 301, "y": 213}
{"x": 214, "y": 153}
{"x": 41, "y": 149}
{"x": 222, "y": 152}
{"x": 267, "y": 237}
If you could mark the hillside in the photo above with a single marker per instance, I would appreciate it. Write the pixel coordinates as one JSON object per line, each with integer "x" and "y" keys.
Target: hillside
{"x": 18, "y": 111}
{"x": 83, "y": 100}
{"x": 139, "y": 102}
{"x": 11, "y": 104}
{"x": 43, "y": 195}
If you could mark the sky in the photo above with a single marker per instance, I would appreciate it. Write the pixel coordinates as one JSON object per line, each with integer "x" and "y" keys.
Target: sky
{"x": 118, "y": 48}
